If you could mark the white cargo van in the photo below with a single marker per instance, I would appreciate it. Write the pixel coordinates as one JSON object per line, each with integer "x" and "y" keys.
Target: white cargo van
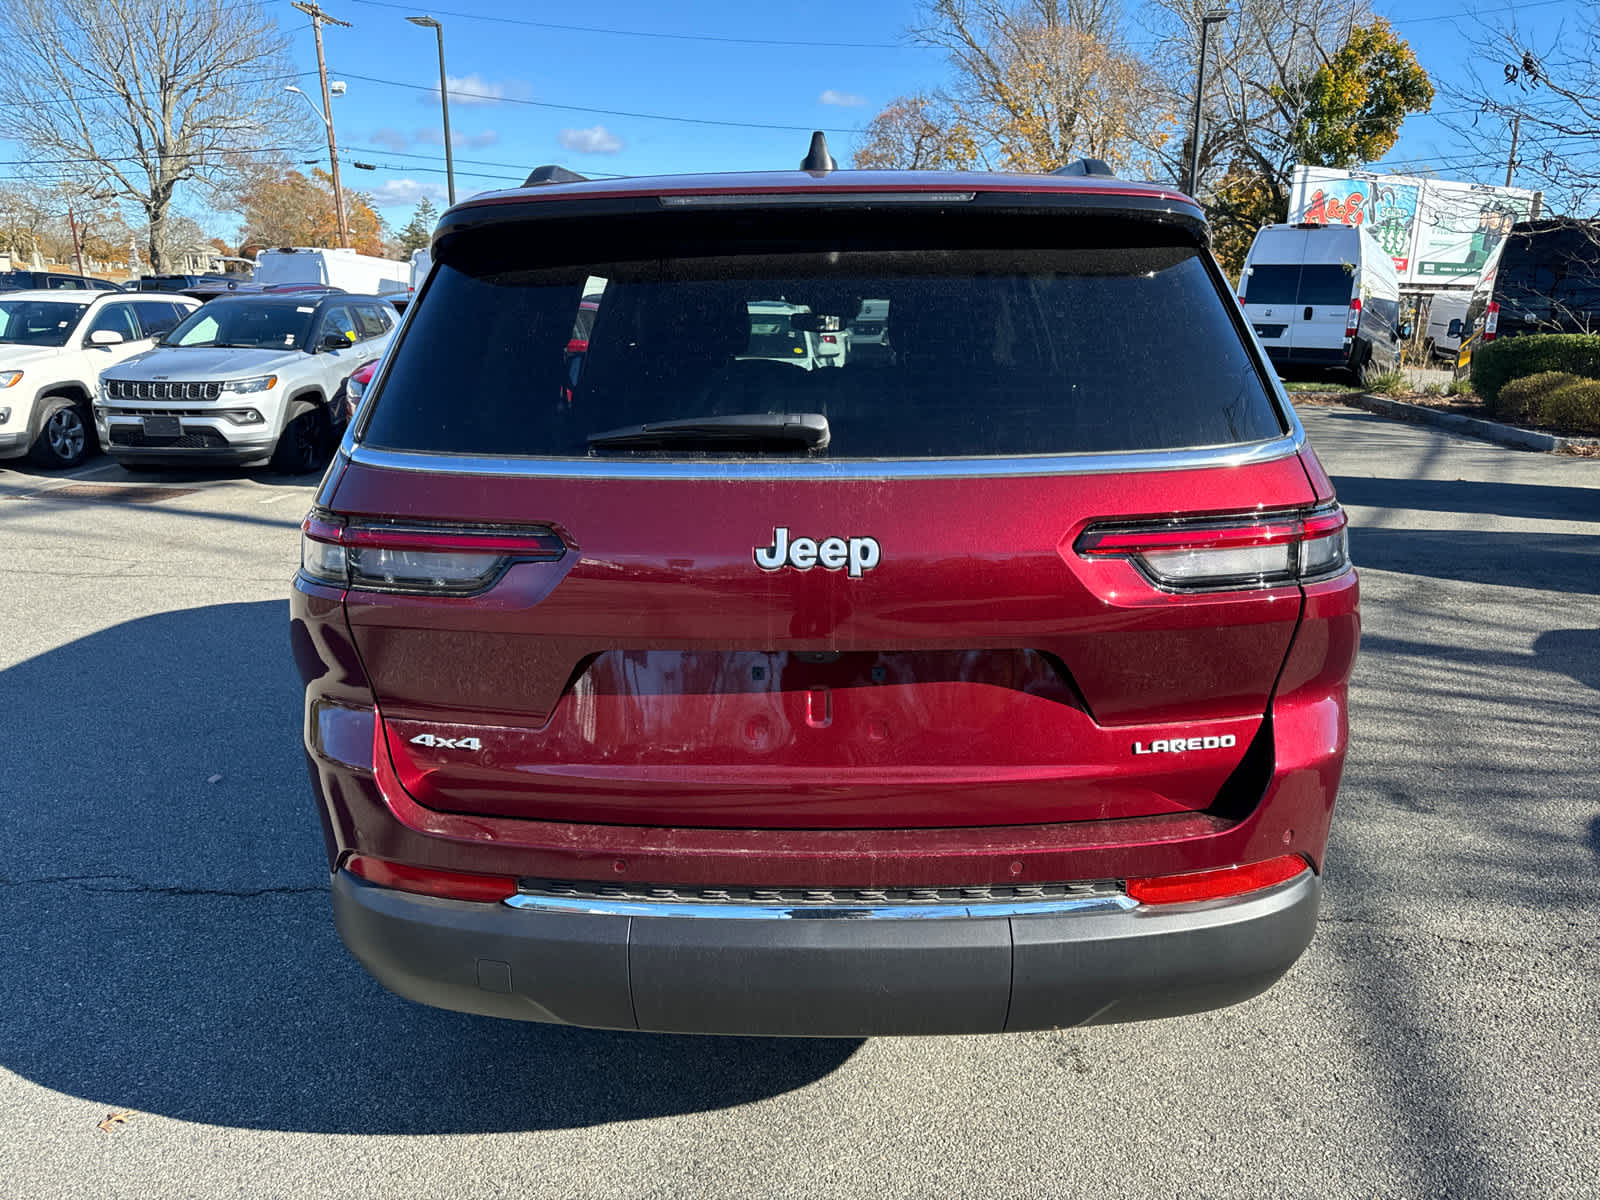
{"x": 1323, "y": 296}
{"x": 1447, "y": 312}
{"x": 421, "y": 264}
{"x": 358, "y": 273}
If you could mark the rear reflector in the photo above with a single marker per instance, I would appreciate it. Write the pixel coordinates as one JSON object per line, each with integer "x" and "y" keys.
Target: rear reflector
{"x": 426, "y": 881}
{"x": 1214, "y": 885}
{"x": 1257, "y": 550}
{"x": 449, "y": 560}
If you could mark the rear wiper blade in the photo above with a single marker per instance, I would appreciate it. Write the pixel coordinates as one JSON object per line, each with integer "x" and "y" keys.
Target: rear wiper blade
{"x": 805, "y": 430}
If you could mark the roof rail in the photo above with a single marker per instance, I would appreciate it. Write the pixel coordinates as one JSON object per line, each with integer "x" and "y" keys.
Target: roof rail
{"x": 552, "y": 174}
{"x": 1086, "y": 166}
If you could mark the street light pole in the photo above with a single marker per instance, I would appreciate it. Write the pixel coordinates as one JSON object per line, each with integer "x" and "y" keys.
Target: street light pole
{"x": 1212, "y": 17}
{"x": 317, "y": 18}
{"x": 444, "y": 101}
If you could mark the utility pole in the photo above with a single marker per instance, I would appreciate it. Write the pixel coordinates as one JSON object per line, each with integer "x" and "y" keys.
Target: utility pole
{"x": 1511, "y": 161}
{"x": 317, "y": 18}
{"x": 1209, "y": 18}
{"x": 77, "y": 248}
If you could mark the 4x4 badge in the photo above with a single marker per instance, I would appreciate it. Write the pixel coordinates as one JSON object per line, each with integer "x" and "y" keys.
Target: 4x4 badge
{"x": 435, "y": 742}
{"x": 854, "y": 556}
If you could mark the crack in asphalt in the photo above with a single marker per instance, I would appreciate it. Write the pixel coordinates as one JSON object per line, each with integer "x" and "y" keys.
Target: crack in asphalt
{"x": 134, "y": 886}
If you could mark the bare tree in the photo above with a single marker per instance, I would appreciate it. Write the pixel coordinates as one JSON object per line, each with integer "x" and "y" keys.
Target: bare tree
{"x": 137, "y": 98}
{"x": 1535, "y": 108}
{"x": 1258, "y": 59}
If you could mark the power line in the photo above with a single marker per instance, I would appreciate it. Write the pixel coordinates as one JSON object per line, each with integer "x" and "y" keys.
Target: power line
{"x": 605, "y": 112}
{"x": 642, "y": 33}
{"x": 118, "y": 95}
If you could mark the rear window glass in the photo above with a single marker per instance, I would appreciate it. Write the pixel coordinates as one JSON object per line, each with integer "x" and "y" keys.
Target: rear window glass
{"x": 1311, "y": 284}
{"x": 962, "y": 353}
{"x": 1267, "y": 284}
{"x": 1552, "y": 277}
{"x": 1325, "y": 285}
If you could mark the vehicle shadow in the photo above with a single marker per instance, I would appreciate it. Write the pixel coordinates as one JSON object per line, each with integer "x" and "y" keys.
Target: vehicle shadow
{"x": 170, "y": 944}
{"x": 1549, "y": 502}
{"x": 1554, "y": 562}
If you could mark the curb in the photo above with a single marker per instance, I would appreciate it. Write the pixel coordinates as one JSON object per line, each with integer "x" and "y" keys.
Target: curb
{"x": 1489, "y": 431}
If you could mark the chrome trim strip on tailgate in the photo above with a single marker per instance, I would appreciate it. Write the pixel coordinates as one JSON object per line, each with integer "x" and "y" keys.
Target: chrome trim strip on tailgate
{"x": 773, "y": 468}
{"x": 596, "y": 906}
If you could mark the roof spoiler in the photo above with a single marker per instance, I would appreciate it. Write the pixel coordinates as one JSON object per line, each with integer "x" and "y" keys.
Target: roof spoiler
{"x": 552, "y": 174}
{"x": 1086, "y": 166}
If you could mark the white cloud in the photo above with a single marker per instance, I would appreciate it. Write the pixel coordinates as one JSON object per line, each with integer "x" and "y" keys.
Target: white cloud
{"x": 595, "y": 140}
{"x": 461, "y": 141}
{"x": 842, "y": 99}
{"x": 391, "y": 139}
{"x": 475, "y": 89}
{"x": 406, "y": 192}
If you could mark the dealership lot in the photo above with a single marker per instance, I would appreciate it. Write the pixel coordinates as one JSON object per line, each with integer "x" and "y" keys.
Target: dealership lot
{"x": 170, "y": 953}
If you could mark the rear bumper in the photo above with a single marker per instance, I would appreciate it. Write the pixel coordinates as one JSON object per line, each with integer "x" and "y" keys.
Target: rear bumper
{"x": 652, "y": 968}
{"x": 180, "y": 456}
{"x": 1308, "y": 357}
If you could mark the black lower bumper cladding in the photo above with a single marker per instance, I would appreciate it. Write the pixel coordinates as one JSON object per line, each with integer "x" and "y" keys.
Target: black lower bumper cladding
{"x": 826, "y": 978}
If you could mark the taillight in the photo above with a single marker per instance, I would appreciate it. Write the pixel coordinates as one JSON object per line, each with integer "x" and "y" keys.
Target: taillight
{"x": 1216, "y": 884}
{"x": 428, "y": 881}
{"x": 356, "y": 386}
{"x": 1259, "y": 550}
{"x": 435, "y": 560}
{"x": 829, "y": 339}
{"x": 1491, "y": 322}
{"x": 1352, "y": 321}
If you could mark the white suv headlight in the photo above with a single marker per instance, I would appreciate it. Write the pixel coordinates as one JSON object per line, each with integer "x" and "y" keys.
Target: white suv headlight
{"x": 259, "y": 383}
{"x": 10, "y": 378}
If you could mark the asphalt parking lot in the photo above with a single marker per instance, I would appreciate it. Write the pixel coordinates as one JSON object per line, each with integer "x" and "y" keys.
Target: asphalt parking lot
{"x": 168, "y": 951}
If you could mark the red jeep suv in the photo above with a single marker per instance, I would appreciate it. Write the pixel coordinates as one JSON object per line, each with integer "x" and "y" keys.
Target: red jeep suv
{"x": 991, "y": 680}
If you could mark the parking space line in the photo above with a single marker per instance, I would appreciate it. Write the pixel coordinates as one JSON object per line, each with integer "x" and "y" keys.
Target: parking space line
{"x": 101, "y": 469}
{"x": 284, "y": 496}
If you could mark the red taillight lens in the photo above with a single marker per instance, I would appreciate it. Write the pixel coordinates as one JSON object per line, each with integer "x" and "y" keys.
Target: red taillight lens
{"x": 829, "y": 339}
{"x": 1491, "y": 322}
{"x": 444, "y": 560}
{"x": 427, "y": 881}
{"x": 1352, "y": 322}
{"x": 1259, "y": 550}
{"x": 1214, "y": 885}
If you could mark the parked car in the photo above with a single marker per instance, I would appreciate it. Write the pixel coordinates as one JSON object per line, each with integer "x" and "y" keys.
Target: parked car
{"x": 1000, "y": 686}
{"x": 1546, "y": 280}
{"x": 53, "y": 347}
{"x": 246, "y": 379}
{"x": 25, "y": 281}
{"x": 338, "y": 268}
{"x": 356, "y": 387}
{"x": 201, "y": 287}
{"x": 1323, "y": 296}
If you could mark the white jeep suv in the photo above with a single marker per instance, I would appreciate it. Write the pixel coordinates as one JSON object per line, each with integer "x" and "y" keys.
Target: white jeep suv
{"x": 53, "y": 346}
{"x": 247, "y": 379}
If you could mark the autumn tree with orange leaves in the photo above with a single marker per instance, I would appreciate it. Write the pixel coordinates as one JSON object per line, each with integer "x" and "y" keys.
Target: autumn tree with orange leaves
{"x": 286, "y": 208}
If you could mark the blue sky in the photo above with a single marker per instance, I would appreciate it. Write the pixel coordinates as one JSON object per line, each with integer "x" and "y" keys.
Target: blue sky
{"x": 859, "y": 60}
{"x": 539, "y": 83}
